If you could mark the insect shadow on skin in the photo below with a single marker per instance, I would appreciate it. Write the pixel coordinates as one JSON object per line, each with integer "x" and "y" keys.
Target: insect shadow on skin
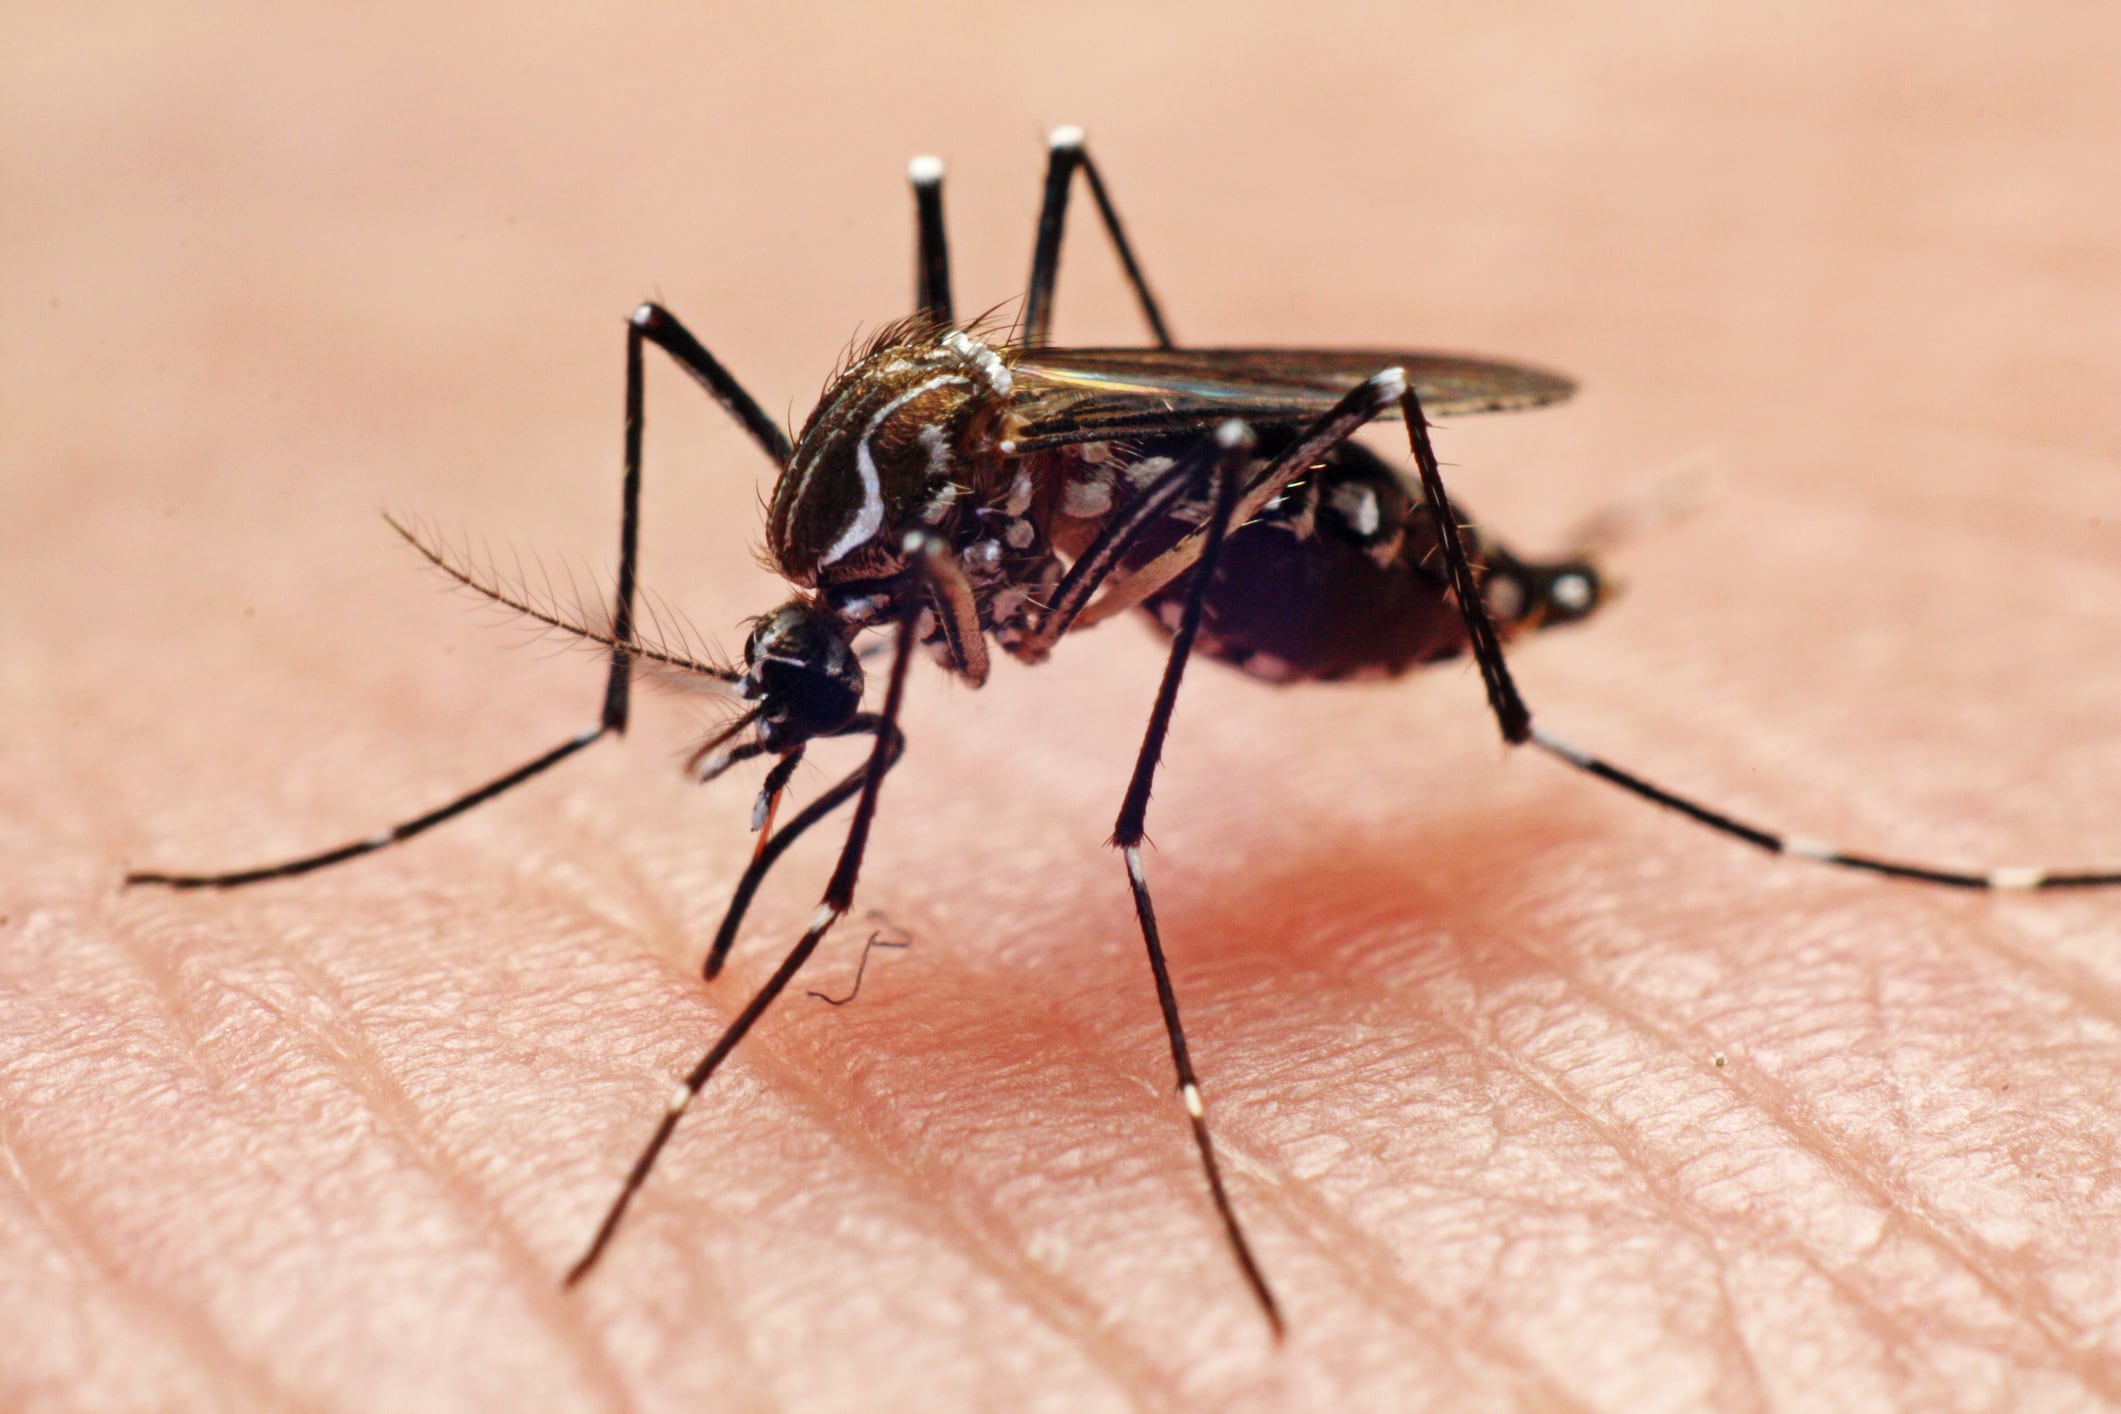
{"x": 962, "y": 491}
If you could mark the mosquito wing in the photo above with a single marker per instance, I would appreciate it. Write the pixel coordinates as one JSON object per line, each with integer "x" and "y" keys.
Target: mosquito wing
{"x": 1089, "y": 395}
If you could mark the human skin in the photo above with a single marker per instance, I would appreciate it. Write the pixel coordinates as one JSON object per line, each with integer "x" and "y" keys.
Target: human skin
{"x": 1531, "y": 1096}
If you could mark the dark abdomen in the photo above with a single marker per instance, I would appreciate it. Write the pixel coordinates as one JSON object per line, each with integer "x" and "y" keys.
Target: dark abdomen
{"x": 1338, "y": 579}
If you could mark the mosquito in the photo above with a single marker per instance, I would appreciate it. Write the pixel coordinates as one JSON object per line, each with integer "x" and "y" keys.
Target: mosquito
{"x": 957, "y": 488}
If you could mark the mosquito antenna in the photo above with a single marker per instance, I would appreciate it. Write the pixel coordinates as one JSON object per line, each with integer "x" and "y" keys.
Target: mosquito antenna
{"x": 484, "y": 580}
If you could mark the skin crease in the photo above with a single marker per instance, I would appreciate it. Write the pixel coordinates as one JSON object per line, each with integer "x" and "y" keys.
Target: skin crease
{"x": 1532, "y": 1097}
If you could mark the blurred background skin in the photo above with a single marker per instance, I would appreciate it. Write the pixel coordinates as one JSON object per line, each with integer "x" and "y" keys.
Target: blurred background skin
{"x": 1534, "y": 1098}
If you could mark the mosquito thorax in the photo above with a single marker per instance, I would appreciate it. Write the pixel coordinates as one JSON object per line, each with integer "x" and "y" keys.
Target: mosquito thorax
{"x": 896, "y": 442}
{"x": 800, "y": 670}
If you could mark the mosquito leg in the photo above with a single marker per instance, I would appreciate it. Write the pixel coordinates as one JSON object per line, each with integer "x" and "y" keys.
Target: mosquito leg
{"x": 838, "y": 898}
{"x": 1065, "y": 155}
{"x": 931, "y": 262}
{"x": 649, "y": 324}
{"x": 1514, "y": 718}
{"x": 769, "y": 853}
{"x": 1234, "y": 442}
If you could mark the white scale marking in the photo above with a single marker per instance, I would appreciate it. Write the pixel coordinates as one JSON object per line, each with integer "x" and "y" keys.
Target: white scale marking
{"x": 1572, "y": 592}
{"x": 680, "y": 1100}
{"x": 1190, "y": 1093}
{"x": 1358, "y": 506}
{"x": 2016, "y": 877}
{"x": 925, "y": 171}
{"x": 1019, "y": 498}
{"x": 1086, "y": 497}
{"x": 1803, "y": 848}
{"x": 992, "y": 370}
{"x": 870, "y": 518}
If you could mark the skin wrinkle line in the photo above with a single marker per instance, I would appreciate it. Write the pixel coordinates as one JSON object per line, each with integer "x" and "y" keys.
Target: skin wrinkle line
{"x": 189, "y": 1333}
{"x": 2070, "y": 982}
{"x": 1739, "y": 1340}
{"x": 352, "y": 1058}
{"x": 1632, "y": 1160}
{"x": 1519, "y": 1371}
{"x": 1836, "y": 1157}
{"x": 1299, "y": 1198}
{"x": 1891, "y": 1340}
{"x": 1868, "y": 1312}
{"x": 806, "y": 1084}
{"x": 339, "y": 1061}
{"x": 978, "y": 1252}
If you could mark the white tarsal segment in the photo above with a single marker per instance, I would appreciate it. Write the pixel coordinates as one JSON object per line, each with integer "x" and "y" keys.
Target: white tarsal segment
{"x": 1803, "y": 848}
{"x": 1068, "y": 136}
{"x": 869, "y": 518}
{"x": 925, "y": 171}
{"x": 1559, "y": 747}
{"x": 1190, "y": 1093}
{"x": 991, "y": 368}
{"x": 680, "y": 1098}
{"x": 2016, "y": 877}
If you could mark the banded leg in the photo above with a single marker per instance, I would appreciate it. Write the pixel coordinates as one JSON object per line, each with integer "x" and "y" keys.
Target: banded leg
{"x": 650, "y": 324}
{"x": 1514, "y": 718}
{"x": 1234, "y": 442}
{"x": 837, "y": 899}
{"x": 1066, "y": 155}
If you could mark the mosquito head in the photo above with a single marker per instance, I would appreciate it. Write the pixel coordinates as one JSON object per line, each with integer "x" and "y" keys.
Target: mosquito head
{"x": 800, "y": 670}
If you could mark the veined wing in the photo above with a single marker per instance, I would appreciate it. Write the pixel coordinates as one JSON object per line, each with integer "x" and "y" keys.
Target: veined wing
{"x": 1087, "y": 395}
